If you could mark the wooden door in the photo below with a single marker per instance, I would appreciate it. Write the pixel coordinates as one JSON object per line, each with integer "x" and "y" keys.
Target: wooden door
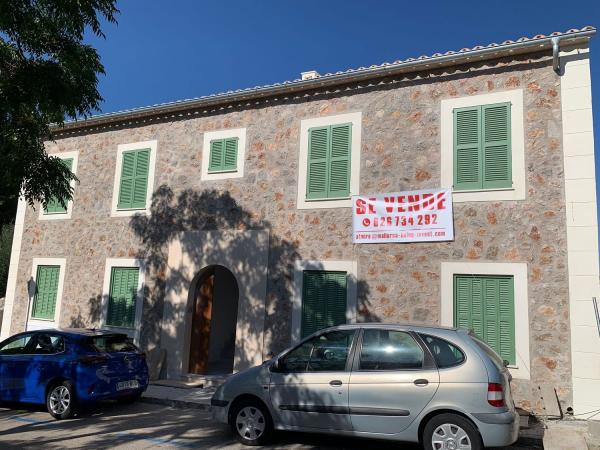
{"x": 202, "y": 314}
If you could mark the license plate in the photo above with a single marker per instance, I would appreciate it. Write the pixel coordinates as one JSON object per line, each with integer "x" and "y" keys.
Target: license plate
{"x": 131, "y": 384}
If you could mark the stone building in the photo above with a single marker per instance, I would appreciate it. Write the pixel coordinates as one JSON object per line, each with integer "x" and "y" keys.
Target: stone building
{"x": 205, "y": 227}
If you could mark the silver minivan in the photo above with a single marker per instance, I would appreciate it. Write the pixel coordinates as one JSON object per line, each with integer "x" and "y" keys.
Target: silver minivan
{"x": 441, "y": 387}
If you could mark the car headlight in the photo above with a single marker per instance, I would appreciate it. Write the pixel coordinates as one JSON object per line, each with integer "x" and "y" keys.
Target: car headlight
{"x": 219, "y": 392}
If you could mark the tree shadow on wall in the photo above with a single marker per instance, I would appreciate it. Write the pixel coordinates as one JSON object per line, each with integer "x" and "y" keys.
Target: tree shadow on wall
{"x": 176, "y": 214}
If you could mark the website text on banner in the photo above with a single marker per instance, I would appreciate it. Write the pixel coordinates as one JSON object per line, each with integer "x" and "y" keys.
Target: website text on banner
{"x": 413, "y": 216}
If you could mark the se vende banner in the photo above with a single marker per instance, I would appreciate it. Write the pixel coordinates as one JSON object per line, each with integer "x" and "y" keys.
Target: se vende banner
{"x": 413, "y": 216}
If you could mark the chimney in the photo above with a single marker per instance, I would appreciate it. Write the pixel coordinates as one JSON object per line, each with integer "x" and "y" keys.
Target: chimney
{"x": 310, "y": 75}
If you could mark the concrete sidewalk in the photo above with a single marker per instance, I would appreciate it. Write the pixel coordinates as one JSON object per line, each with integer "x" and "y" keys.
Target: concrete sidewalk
{"x": 197, "y": 398}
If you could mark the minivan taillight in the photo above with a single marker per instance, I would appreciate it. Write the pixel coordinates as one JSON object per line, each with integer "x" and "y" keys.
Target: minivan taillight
{"x": 495, "y": 395}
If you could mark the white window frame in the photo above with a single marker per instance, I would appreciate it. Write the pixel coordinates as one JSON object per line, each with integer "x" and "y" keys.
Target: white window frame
{"x": 240, "y": 134}
{"x": 355, "y": 119}
{"x": 519, "y": 273}
{"x": 115, "y": 211}
{"x": 36, "y": 323}
{"x": 139, "y": 301}
{"x": 66, "y": 215}
{"x": 518, "y": 189}
{"x": 350, "y": 267}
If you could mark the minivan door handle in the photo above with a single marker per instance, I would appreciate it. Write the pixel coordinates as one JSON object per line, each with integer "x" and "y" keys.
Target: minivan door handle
{"x": 421, "y": 382}
{"x": 335, "y": 383}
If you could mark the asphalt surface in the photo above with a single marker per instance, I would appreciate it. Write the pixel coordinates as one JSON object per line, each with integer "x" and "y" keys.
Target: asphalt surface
{"x": 147, "y": 426}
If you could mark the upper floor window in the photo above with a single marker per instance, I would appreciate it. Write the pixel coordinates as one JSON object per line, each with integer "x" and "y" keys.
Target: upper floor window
{"x": 483, "y": 146}
{"x": 54, "y": 206}
{"x": 133, "y": 184}
{"x": 54, "y": 209}
{"x": 482, "y": 150}
{"x": 134, "y": 178}
{"x": 223, "y": 154}
{"x": 329, "y": 161}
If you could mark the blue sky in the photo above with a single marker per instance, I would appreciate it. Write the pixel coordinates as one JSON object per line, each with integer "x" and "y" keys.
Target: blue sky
{"x": 169, "y": 50}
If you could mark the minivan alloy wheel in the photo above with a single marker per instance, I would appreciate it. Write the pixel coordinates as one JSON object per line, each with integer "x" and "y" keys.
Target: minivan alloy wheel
{"x": 250, "y": 423}
{"x": 60, "y": 399}
{"x": 449, "y": 436}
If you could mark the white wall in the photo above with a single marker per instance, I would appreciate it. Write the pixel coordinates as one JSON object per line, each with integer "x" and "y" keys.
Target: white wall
{"x": 582, "y": 227}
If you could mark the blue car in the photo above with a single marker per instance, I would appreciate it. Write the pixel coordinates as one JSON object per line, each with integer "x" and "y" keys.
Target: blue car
{"x": 70, "y": 367}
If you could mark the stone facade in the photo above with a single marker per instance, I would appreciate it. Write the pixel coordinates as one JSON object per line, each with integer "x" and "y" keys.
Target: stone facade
{"x": 400, "y": 150}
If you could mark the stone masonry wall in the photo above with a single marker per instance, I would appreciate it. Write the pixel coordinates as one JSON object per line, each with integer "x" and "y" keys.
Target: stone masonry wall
{"x": 400, "y": 151}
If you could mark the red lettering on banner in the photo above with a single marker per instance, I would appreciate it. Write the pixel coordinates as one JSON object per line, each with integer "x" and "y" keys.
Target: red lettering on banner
{"x": 413, "y": 202}
{"x": 428, "y": 200}
{"x": 360, "y": 206}
{"x": 401, "y": 203}
{"x": 441, "y": 200}
{"x": 389, "y": 203}
{"x": 372, "y": 202}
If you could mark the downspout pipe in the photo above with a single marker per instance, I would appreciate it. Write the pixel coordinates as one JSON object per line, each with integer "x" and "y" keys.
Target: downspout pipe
{"x": 556, "y": 54}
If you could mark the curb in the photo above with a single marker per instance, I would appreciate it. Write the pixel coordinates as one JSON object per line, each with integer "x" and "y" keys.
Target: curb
{"x": 180, "y": 404}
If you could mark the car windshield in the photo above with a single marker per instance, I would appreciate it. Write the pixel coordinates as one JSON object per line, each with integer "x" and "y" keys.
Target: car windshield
{"x": 112, "y": 343}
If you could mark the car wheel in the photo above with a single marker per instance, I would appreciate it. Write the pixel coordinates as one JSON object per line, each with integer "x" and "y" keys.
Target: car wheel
{"x": 60, "y": 400}
{"x": 452, "y": 432}
{"x": 251, "y": 423}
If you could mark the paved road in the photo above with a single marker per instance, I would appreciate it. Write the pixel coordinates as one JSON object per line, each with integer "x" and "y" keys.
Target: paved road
{"x": 145, "y": 426}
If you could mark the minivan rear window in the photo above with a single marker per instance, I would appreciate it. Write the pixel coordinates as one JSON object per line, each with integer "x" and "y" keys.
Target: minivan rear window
{"x": 488, "y": 351}
{"x": 112, "y": 343}
{"x": 445, "y": 354}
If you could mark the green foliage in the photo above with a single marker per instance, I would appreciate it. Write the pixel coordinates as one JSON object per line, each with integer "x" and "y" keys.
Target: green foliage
{"x": 6, "y": 235}
{"x": 47, "y": 74}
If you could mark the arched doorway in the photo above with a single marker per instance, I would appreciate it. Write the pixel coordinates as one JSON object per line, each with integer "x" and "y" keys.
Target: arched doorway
{"x": 213, "y": 322}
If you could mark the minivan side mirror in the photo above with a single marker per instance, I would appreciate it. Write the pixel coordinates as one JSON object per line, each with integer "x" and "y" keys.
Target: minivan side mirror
{"x": 505, "y": 363}
{"x": 275, "y": 365}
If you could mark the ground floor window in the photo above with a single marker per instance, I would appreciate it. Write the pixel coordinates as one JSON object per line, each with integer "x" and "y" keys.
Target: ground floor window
{"x": 122, "y": 296}
{"x": 324, "y": 295}
{"x": 46, "y": 292}
{"x": 486, "y": 305}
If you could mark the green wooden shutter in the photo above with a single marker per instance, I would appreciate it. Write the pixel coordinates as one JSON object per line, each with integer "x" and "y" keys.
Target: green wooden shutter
{"x": 491, "y": 328}
{"x": 485, "y": 304}
{"x": 54, "y": 206}
{"x": 223, "y": 155}
{"x": 339, "y": 161}
{"x": 506, "y": 319}
{"x": 477, "y": 307}
{"x": 127, "y": 180}
{"x": 318, "y": 145}
{"x": 329, "y": 155}
{"x": 467, "y": 148}
{"x": 140, "y": 182}
{"x": 46, "y": 291}
{"x": 497, "y": 161}
{"x": 216, "y": 155}
{"x": 462, "y": 301}
{"x": 230, "y": 156}
{"x": 122, "y": 297}
{"x": 482, "y": 147}
{"x": 323, "y": 300}
{"x": 133, "y": 185}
